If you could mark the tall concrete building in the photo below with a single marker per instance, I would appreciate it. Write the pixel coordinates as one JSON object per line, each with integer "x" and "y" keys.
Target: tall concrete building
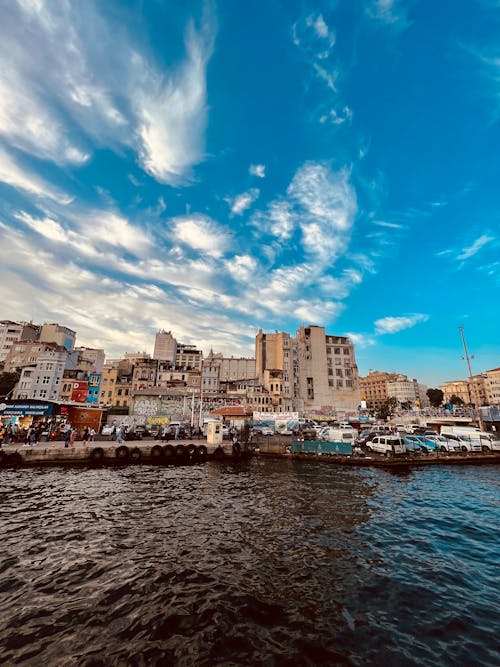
{"x": 13, "y": 332}
{"x": 55, "y": 333}
{"x": 311, "y": 372}
{"x": 165, "y": 346}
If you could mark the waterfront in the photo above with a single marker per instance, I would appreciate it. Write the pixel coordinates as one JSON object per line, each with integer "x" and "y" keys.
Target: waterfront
{"x": 264, "y": 561}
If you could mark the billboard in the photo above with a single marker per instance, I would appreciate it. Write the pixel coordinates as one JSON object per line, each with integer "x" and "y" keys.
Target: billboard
{"x": 79, "y": 391}
{"x": 79, "y": 418}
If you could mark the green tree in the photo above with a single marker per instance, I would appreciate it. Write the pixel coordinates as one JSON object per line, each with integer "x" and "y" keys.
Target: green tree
{"x": 386, "y": 409}
{"x": 456, "y": 400}
{"x": 435, "y": 396}
{"x": 7, "y": 383}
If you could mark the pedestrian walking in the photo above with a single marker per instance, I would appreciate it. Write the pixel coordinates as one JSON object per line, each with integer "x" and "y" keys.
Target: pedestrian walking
{"x": 67, "y": 434}
{"x": 86, "y": 435}
{"x": 92, "y": 434}
{"x": 33, "y": 437}
{"x": 72, "y": 437}
{"x": 118, "y": 434}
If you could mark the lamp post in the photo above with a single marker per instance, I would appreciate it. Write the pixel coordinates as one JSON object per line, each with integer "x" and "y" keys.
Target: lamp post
{"x": 473, "y": 386}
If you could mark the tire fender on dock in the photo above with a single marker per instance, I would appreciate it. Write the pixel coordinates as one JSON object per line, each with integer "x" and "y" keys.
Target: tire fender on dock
{"x": 157, "y": 452}
{"x": 202, "y": 452}
{"x": 169, "y": 452}
{"x": 180, "y": 450}
{"x": 136, "y": 454}
{"x": 13, "y": 460}
{"x": 122, "y": 452}
{"x": 97, "y": 454}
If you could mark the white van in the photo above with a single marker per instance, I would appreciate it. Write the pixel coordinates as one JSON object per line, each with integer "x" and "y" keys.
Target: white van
{"x": 389, "y": 445}
{"x": 329, "y": 434}
{"x": 472, "y": 435}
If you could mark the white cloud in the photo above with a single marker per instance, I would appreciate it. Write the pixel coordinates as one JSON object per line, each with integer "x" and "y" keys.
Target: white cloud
{"x": 389, "y": 12}
{"x": 473, "y": 249}
{"x": 243, "y": 201}
{"x": 98, "y": 84}
{"x": 19, "y": 177}
{"x": 327, "y": 207}
{"x": 391, "y": 325}
{"x": 337, "y": 117}
{"x": 258, "y": 170}
{"x": 173, "y": 114}
{"x": 201, "y": 233}
{"x": 361, "y": 340}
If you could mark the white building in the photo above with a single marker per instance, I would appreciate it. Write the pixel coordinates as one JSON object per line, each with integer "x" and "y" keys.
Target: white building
{"x": 42, "y": 381}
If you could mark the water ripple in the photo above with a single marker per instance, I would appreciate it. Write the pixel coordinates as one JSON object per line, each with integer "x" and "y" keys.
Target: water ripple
{"x": 264, "y": 562}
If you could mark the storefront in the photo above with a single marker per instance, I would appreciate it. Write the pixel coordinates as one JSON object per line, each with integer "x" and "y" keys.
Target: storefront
{"x": 20, "y": 415}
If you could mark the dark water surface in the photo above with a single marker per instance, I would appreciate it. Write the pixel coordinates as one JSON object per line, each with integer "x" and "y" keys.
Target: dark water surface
{"x": 261, "y": 563}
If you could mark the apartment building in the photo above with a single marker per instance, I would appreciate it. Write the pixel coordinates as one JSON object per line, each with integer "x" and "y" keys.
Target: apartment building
{"x": 13, "y": 332}
{"x": 42, "y": 380}
{"x": 93, "y": 358}
{"x": 492, "y": 386}
{"x": 55, "y": 333}
{"x": 165, "y": 348}
{"x": 311, "y": 372}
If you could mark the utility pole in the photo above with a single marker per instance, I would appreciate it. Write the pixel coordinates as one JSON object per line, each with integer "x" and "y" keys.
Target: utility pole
{"x": 473, "y": 385}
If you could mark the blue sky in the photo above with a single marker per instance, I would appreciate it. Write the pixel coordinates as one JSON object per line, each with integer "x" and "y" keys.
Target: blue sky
{"x": 213, "y": 168}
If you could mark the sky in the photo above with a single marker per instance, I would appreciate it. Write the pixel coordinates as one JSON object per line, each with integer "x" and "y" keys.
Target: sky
{"x": 212, "y": 168}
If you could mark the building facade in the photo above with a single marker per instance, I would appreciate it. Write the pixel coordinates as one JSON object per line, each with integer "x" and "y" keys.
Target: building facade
{"x": 313, "y": 372}
{"x": 13, "y": 332}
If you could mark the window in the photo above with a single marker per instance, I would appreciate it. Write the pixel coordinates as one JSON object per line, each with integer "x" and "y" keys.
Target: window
{"x": 330, "y": 383}
{"x": 337, "y": 350}
{"x": 346, "y": 350}
{"x": 338, "y": 372}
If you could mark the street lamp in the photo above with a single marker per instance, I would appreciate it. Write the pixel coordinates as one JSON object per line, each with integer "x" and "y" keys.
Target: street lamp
{"x": 473, "y": 386}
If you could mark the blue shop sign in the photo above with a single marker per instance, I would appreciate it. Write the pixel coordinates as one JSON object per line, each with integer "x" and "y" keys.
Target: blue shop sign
{"x": 25, "y": 409}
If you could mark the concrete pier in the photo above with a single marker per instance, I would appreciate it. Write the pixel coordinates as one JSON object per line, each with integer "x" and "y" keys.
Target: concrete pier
{"x": 116, "y": 453}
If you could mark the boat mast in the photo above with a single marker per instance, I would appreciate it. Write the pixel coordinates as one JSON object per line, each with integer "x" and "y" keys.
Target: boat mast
{"x": 473, "y": 385}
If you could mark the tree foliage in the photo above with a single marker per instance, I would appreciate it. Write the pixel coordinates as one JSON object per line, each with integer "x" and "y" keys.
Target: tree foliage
{"x": 456, "y": 400}
{"x": 435, "y": 396}
{"x": 7, "y": 383}
{"x": 386, "y": 409}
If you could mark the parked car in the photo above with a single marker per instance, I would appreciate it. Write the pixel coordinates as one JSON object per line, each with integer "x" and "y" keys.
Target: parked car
{"x": 389, "y": 445}
{"x": 466, "y": 444}
{"x": 263, "y": 430}
{"x": 426, "y": 445}
{"x": 412, "y": 446}
{"x": 445, "y": 444}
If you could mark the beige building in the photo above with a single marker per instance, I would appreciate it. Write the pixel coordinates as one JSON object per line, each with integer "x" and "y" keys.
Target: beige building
{"x": 492, "y": 386}
{"x": 219, "y": 372}
{"x": 55, "y": 333}
{"x": 165, "y": 346}
{"x": 13, "y": 332}
{"x": 92, "y": 358}
{"x": 313, "y": 372}
{"x": 374, "y": 387}
{"x": 25, "y": 353}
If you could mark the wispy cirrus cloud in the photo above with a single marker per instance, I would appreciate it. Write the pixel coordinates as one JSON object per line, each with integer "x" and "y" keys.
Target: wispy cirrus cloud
{"x": 391, "y": 325}
{"x": 99, "y": 87}
{"x": 20, "y": 177}
{"x": 389, "y": 12}
{"x": 469, "y": 251}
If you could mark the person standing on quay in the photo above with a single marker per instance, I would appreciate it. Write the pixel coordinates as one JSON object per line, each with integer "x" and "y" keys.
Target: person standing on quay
{"x": 86, "y": 435}
{"x": 72, "y": 437}
{"x": 67, "y": 434}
